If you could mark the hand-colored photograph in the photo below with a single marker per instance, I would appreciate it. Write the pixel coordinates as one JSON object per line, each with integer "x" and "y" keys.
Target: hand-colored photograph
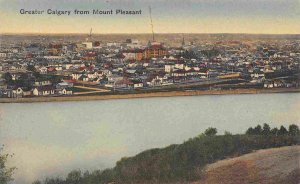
{"x": 149, "y": 91}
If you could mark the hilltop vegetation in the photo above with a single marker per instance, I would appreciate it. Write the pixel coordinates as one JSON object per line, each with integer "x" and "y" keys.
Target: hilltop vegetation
{"x": 185, "y": 162}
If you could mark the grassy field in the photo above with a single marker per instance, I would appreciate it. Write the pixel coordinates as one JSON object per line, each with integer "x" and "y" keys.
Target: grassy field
{"x": 78, "y": 89}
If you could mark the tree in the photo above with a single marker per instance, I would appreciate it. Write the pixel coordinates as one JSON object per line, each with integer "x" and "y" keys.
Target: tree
{"x": 189, "y": 54}
{"x": 55, "y": 79}
{"x": 5, "y": 173}
{"x": 282, "y": 131}
{"x": 31, "y": 68}
{"x": 104, "y": 80}
{"x": 54, "y": 181}
{"x": 35, "y": 72}
{"x": 24, "y": 81}
{"x": 37, "y": 75}
{"x": 250, "y": 131}
{"x": 266, "y": 129}
{"x": 294, "y": 130}
{"x": 274, "y": 131}
{"x": 210, "y": 53}
{"x": 37, "y": 182}
{"x": 227, "y": 133}
{"x": 210, "y": 131}
{"x": 8, "y": 78}
{"x": 74, "y": 177}
{"x": 257, "y": 130}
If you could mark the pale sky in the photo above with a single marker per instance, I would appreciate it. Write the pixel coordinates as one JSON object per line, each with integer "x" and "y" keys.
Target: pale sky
{"x": 169, "y": 16}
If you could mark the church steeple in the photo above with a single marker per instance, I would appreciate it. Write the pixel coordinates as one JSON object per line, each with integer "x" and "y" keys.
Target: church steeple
{"x": 149, "y": 43}
{"x": 183, "y": 42}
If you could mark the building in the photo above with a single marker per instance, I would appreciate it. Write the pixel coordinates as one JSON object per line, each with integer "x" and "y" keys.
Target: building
{"x": 155, "y": 50}
{"x": 88, "y": 45}
{"x": 133, "y": 55}
{"x": 44, "y": 91}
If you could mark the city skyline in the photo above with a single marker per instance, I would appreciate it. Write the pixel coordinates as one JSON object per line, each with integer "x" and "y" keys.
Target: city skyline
{"x": 192, "y": 16}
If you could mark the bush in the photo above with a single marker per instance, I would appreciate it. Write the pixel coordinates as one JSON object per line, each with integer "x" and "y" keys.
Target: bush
{"x": 211, "y": 131}
{"x": 294, "y": 130}
{"x": 5, "y": 173}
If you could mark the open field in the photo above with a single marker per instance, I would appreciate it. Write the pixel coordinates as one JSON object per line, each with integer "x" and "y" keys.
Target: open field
{"x": 148, "y": 95}
{"x": 81, "y": 90}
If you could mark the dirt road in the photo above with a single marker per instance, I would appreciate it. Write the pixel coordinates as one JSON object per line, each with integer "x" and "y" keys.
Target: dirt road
{"x": 93, "y": 90}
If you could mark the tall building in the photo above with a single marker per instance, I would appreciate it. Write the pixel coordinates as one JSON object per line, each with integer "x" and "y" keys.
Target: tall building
{"x": 155, "y": 50}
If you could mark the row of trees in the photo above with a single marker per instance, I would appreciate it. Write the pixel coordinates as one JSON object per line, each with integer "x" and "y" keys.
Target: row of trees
{"x": 26, "y": 80}
{"x": 265, "y": 130}
{"x": 184, "y": 162}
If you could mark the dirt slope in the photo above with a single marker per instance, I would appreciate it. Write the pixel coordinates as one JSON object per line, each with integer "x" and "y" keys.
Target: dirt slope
{"x": 271, "y": 166}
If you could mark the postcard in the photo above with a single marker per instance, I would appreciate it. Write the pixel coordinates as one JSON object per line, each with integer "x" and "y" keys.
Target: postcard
{"x": 149, "y": 91}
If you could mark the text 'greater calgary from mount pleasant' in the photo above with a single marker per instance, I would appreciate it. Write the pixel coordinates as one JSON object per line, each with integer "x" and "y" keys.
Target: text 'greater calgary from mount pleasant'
{"x": 80, "y": 12}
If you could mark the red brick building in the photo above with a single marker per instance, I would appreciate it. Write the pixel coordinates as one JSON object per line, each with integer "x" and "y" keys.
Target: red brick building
{"x": 155, "y": 50}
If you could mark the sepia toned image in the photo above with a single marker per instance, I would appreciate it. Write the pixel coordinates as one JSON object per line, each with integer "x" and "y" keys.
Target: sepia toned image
{"x": 149, "y": 91}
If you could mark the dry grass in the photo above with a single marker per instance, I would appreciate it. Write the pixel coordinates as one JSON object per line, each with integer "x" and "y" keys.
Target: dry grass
{"x": 271, "y": 166}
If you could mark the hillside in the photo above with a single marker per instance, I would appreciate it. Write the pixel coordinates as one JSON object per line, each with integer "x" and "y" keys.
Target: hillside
{"x": 275, "y": 165}
{"x": 269, "y": 156}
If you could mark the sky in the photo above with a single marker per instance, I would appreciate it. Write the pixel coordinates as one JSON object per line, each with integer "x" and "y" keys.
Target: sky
{"x": 169, "y": 16}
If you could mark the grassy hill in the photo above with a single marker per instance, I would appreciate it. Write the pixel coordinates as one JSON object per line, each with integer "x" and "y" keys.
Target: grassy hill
{"x": 267, "y": 166}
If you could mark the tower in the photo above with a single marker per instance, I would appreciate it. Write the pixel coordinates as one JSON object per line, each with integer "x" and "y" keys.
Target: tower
{"x": 183, "y": 42}
{"x": 89, "y": 38}
{"x": 151, "y": 23}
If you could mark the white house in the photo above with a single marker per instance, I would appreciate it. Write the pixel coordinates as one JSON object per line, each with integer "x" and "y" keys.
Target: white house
{"x": 43, "y": 70}
{"x": 137, "y": 84}
{"x": 64, "y": 85}
{"x": 3, "y": 54}
{"x": 44, "y": 91}
{"x": 65, "y": 91}
{"x": 76, "y": 76}
{"x": 15, "y": 93}
{"x": 42, "y": 83}
{"x": 169, "y": 68}
{"x": 180, "y": 65}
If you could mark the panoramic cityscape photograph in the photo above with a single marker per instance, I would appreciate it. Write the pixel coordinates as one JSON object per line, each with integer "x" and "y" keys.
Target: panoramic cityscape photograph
{"x": 149, "y": 91}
